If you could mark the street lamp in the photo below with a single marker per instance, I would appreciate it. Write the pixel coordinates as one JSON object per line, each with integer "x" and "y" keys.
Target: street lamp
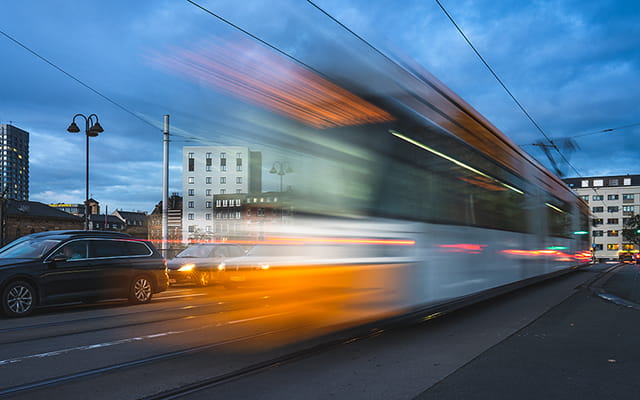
{"x": 92, "y": 129}
{"x": 282, "y": 169}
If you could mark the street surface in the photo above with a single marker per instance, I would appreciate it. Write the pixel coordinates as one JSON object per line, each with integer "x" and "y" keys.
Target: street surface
{"x": 556, "y": 339}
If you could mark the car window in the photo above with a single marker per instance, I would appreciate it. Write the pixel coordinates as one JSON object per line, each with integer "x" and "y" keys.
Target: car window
{"x": 137, "y": 248}
{"x": 108, "y": 248}
{"x": 32, "y": 248}
{"x": 74, "y": 250}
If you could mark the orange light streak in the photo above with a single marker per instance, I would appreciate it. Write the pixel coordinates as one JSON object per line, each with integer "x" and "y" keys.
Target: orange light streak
{"x": 276, "y": 83}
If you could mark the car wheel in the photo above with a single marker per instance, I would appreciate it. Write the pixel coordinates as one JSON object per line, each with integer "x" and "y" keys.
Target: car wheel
{"x": 141, "y": 290}
{"x": 18, "y": 299}
{"x": 203, "y": 278}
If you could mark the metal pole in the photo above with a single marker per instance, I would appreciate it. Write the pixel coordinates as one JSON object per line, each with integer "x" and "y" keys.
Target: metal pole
{"x": 86, "y": 197}
{"x": 165, "y": 186}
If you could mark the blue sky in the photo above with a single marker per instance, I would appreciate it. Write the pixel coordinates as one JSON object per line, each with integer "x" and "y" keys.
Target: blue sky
{"x": 574, "y": 65}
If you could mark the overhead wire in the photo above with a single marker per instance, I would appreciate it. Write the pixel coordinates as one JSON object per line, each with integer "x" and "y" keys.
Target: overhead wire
{"x": 495, "y": 75}
{"x": 52, "y": 64}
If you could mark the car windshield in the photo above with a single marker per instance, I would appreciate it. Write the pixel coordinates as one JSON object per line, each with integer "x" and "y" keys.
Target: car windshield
{"x": 196, "y": 252}
{"x": 31, "y": 248}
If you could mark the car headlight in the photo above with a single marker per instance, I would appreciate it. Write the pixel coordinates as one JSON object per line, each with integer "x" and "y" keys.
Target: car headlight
{"x": 221, "y": 266}
{"x": 264, "y": 266}
{"x": 186, "y": 267}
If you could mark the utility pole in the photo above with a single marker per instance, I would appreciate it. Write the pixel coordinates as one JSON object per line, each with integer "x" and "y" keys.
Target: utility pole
{"x": 165, "y": 186}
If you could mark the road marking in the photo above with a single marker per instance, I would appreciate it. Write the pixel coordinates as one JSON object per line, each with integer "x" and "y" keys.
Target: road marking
{"x": 88, "y": 347}
{"x": 180, "y": 296}
{"x": 127, "y": 340}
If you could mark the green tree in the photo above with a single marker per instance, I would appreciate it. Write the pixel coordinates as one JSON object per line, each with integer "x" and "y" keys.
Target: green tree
{"x": 631, "y": 231}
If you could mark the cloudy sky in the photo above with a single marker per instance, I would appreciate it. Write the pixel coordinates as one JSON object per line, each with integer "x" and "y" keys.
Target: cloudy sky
{"x": 573, "y": 65}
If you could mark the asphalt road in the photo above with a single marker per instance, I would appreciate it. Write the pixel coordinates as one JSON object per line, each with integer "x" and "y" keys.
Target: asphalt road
{"x": 556, "y": 339}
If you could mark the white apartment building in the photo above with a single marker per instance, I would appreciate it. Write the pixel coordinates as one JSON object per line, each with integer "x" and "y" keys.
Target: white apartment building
{"x": 213, "y": 170}
{"x": 612, "y": 201}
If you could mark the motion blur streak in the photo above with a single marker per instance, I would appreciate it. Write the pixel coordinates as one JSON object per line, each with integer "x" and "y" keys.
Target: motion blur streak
{"x": 275, "y": 82}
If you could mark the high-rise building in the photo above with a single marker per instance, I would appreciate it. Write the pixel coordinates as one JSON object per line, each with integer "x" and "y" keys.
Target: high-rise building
{"x": 212, "y": 170}
{"x": 613, "y": 200}
{"x": 14, "y": 162}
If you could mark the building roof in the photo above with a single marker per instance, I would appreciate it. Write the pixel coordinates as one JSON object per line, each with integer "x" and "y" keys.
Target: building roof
{"x": 111, "y": 219}
{"x": 37, "y": 209}
{"x": 130, "y": 216}
{"x": 607, "y": 181}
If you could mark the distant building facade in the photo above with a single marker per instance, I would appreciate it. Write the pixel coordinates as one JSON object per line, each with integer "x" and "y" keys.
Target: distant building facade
{"x": 14, "y": 162}
{"x": 174, "y": 228}
{"x": 106, "y": 222}
{"x": 78, "y": 209}
{"x": 214, "y": 170}
{"x": 612, "y": 201}
{"x": 23, "y": 217}
{"x": 135, "y": 223}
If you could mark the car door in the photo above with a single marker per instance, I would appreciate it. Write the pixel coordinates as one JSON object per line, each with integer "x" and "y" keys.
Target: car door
{"x": 71, "y": 278}
{"x": 110, "y": 258}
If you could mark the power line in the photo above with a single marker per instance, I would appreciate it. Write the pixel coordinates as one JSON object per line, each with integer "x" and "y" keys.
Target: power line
{"x": 504, "y": 86}
{"x": 590, "y": 133}
{"x": 120, "y": 106}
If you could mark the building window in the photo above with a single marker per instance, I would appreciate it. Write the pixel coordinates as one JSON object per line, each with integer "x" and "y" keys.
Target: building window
{"x": 191, "y": 164}
{"x": 627, "y": 208}
{"x": 584, "y": 183}
{"x": 238, "y": 168}
{"x": 238, "y": 162}
{"x": 613, "y": 221}
{"x": 208, "y": 204}
{"x": 237, "y": 202}
{"x": 612, "y": 233}
{"x": 223, "y": 155}
{"x": 208, "y": 168}
{"x": 613, "y": 246}
{"x": 597, "y": 197}
{"x": 223, "y": 168}
{"x": 223, "y": 180}
{"x": 190, "y": 155}
{"x": 597, "y": 221}
{"x": 627, "y": 182}
{"x": 238, "y": 190}
{"x": 238, "y": 215}
{"x": 628, "y": 196}
{"x": 207, "y": 180}
{"x": 207, "y": 155}
{"x": 239, "y": 180}
{"x": 612, "y": 197}
{"x": 628, "y": 246}
{"x": 613, "y": 182}
{"x": 597, "y": 233}
{"x": 223, "y": 191}
{"x": 208, "y": 228}
{"x": 585, "y": 198}
{"x": 192, "y": 228}
{"x": 191, "y": 179}
{"x": 190, "y": 204}
{"x": 190, "y": 216}
{"x": 598, "y": 182}
{"x": 597, "y": 246}
{"x": 207, "y": 216}
{"x": 190, "y": 192}
{"x": 225, "y": 203}
{"x": 613, "y": 209}
{"x": 218, "y": 203}
{"x": 597, "y": 209}
{"x": 207, "y": 192}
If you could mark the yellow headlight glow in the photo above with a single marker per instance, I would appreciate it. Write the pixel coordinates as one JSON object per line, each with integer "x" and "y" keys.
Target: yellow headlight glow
{"x": 186, "y": 267}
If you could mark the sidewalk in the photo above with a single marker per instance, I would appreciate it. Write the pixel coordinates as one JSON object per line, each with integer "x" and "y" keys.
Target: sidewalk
{"x": 584, "y": 348}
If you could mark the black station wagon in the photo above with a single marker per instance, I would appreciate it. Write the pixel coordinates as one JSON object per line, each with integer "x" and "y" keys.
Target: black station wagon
{"x": 69, "y": 266}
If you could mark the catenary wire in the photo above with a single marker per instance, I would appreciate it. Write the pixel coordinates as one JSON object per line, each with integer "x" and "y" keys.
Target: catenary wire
{"x": 115, "y": 103}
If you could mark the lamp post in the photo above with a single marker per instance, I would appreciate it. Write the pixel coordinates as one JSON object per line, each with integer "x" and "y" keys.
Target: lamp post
{"x": 281, "y": 168}
{"x": 92, "y": 129}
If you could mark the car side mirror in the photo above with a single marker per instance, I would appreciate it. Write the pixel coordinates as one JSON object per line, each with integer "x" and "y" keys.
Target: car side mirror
{"x": 58, "y": 258}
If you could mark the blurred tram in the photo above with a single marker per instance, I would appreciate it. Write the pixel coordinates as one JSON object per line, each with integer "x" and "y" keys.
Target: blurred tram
{"x": 407, "y": 198}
